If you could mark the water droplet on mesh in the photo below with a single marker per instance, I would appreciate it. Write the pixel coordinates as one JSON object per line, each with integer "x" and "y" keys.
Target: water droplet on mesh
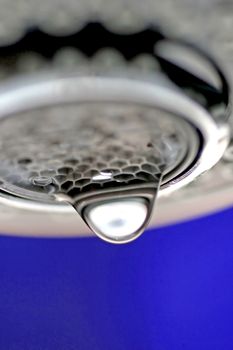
{"x": 102, "y": 176}
{"x": 41, "y": 181}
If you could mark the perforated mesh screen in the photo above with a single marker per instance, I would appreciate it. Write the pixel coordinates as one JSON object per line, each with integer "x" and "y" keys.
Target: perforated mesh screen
{"x": 74, "y": 149}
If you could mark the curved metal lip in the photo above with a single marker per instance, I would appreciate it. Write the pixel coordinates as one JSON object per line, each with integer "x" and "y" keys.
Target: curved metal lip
{"x": 23, "y": 95}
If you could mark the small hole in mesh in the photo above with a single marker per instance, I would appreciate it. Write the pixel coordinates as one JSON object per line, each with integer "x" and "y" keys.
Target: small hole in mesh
{"x": 114, "y": 148}
{"x": 173, "y": 137}
{"x": 88, "y": 159}
{"x": 82, "y": 182}
{"x": 60, "y": 178}
{"x": 130, "y": 169}
{"x": 110, "y": 184}
{"x": 137, "y": 160}
{"x": 74, "y": 192}
{"x": 32, "y": 167}
{"x": 47, "y": 172}
{"x": 150, "y": 145}
{"x": 55, "y": 142}
{"x": 71, "y": 162}
{"x": 153, "y": 159}
{"x": 91, "y": 173}
{"x": 60, "y": 155}
{"x": 118, "y": 163}
{"x": 150, "y": 168}
{"x": 67, "y": 185}
{"x": 127, "y": 154}
{"x": 24, "y": 161}
{"x": 83, "y": 167}
{"x": 136, "y": 181}
{"x": 76, "y": 176}
{"x": 107, "y": 157}
{"x": 123, "y": 177}
{"x": 33, "y": 174}
{"x": 65, "y": 170}
{"x": 92, "y": 187}
{"x": 101, "y": 165}
{"x": 145, "y": 176}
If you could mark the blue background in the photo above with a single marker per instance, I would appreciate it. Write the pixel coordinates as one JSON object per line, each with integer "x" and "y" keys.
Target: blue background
{"x": 171, "y": 289}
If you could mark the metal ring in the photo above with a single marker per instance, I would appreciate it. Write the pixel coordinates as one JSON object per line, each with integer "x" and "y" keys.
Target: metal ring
{"x": 23, "y": 96}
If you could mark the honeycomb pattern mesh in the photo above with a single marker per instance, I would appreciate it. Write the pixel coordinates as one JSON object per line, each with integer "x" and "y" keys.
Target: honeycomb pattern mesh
{"x": 77, "y": 149}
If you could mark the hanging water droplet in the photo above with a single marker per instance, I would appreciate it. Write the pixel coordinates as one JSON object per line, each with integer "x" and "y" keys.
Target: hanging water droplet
{"x": 116, "y": 207}
{"x": 117, "y": 215}
{"x": 118, "y": 220}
